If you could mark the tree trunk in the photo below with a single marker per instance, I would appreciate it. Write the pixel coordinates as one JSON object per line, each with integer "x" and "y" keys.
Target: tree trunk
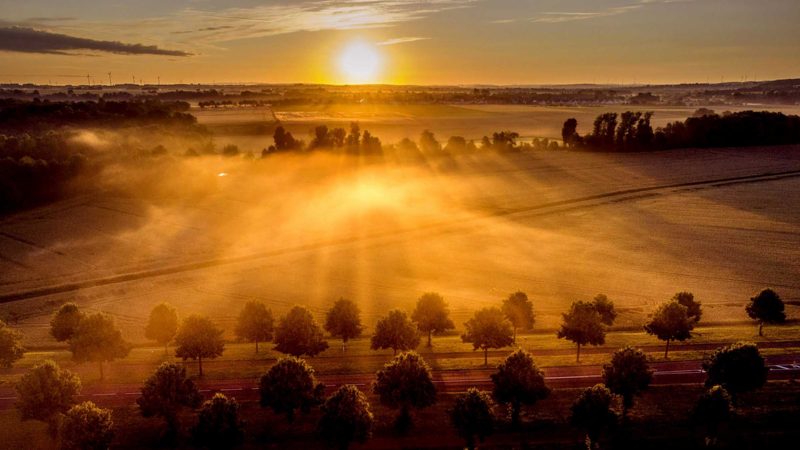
{"x": 430, "y": 332}
{"x": 761, "y": 328}
{"x": 200, "y": 365}
{"x": 578, "y": 359}
{"x": 666, "y": 350}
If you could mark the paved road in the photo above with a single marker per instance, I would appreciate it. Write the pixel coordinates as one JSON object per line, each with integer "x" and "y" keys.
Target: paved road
{"x": 674, "y": 372}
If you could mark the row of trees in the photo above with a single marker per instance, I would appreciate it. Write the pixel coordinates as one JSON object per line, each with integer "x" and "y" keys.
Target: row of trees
{"x": 289, "y": 387}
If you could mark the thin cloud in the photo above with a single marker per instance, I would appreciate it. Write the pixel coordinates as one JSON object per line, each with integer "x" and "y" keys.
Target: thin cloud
{"x": 29, "y": 40}
{"x": 401, "y": 40}
{"x": 558, "y": 17}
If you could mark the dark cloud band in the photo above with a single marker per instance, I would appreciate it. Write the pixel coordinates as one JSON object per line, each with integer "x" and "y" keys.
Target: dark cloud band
{"x": 29, "y": 40}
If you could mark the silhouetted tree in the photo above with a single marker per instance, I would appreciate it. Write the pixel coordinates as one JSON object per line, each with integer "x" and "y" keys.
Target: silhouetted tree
{"x": 432, "y": 315}
{"x": 603, "y": 133}
{"x": 343, "y": 321}
{"x": 337, "y": 137}
{"x": 456, "y": 145}
{"x": 644, "y": 132}
{"x": 519, "y": 382}
{"x": 504, "y": 141}
{"x": 87, "y": 427}
{"x": 284, "y": 140}
{"x": 405, "y": 383}
{"x": 298, "y": 334}
{"x": 712, "y": 409}
{"x": 766, "y": 307}
{"x": 592, "y": 413}
{"x": 162, "y": 324}
{"x": 395, "y": 331}
{"x": 10, "y": 348}
{"x": 353, "y": 139}
{"x": 627, "y": 375}
{"x": 230, "y": 150}
{"x": 519, "y": 311}
{"x": 321, "y": 138}
{"x": 569, "y": 133}
{"x": 97, "y": 339}
{"x": 65, "y": 322}
{"x": 488, "y": 328}
{"x": 255, "y": 323}
{"x": 693, "y": 309}
{"x": 605, "y": 308}
{"x": 46, "y": 392}
{"x": 165, "y": 392}
{"x": 429, "y": 145}
{"x": 346, "y": 417}
{"x": 289, "y": 386}
{"x": 472, "y": 416}
{"x": 582, "y": 325}
{"x": 738, "y": 368}
{"x": 670, "y": 322}
{"x": 199, "y": 338}
{"x": 371, "y": 145}
{"x": 218, "y": 425}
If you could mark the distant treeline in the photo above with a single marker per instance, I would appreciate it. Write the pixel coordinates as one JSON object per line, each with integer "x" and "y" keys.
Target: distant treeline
{"x": 631, "y": 131}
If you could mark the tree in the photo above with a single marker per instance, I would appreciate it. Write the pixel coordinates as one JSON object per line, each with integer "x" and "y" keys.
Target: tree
{"x": 766, "y": 307}
{"x": 738, "y": 368}
{"x": 569, "y": 132}
{"x": 693, "y": 309}
{"x": 87, "y": 427}
{"x": 165, "y": 393}
{"x": 605, "y": 308}
{"x": 162, "y": 325}
{"x": 46, "y": 392}
{"x": 519, "y": 382}
{"x": 405, "y": 383}
{"x": 10, "y": 348}
{"x": 583, "y": 325}
{"x": 97, "y": 339}
{"x": 395, "y": 331}
{"x": 65, "y": 322}
{"x": 519, "y": 311}
{"x": 218, "y": 424}
{"x": 255, "y": 323}
{"x": 488, "y": 328}
{"x": 346, "y": 417}
{"x": 290, "y": 385}
{"x": 627, "y": 375}
{"x": 432, "y": 315}
{"x": 712, "y": 409}
{"x": 472, "y": 416}
{"x": 298, "y": 334}
{"x": 344, "y": 321}
{"x": 592, "y": 413}
{"x": 199, "y": 338}
{"x": 670, "y": 322}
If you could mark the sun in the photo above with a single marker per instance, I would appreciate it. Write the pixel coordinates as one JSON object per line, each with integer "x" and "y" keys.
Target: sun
{"x": 360, "y": 63}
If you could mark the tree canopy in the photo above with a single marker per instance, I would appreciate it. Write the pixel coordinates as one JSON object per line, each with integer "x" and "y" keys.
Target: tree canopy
{"x": 343, "y": 320}
{"x": 592, "y": 412}
{"x": 472, "y": 416}
{"x": 87, "y": 427}
{"x": 432, "y": 315}
{"x": 162, "y": 324}
{"x": 65, "y": 322}
{"x": 11, "y": 350}
{"x": 670, "y": 322}
{"x": 198, "y": 337}
{"x": 290, "y": 385}
{"x": 395, "y": 331}
{"x": 519, "y": 311}
{"x": 255, "y": 323}
{"x": 97, "y": 339}
{"x": 605, "y": 307}
{"x": 218, "y": 425}
{"x": 488, "y": 328}
{"x": 693, "y": 308}
{"x": 712, "y": 409}
{"x": 346, "y": 417}
{"x": 582, "y": 325}
{"x": 519, "y": 382}
{"x": 766, "y": 307}
{"x": 405, "y": 383}
{"x": 298, "y": 334}
{"x": 738, "y": 368}
{"x": 46, "y": 391}
{"x": 627, "y": 375}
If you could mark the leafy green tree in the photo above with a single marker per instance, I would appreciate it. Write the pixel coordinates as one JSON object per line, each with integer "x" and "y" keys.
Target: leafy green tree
{"x": 344, "y": 321}
{"x": 472, "y": 416}
{"x": 592, "y": 413}
{"x": 627, "y": 375}
{"x": 87, "y": 427}
{"x": 255, "y": 323}
{"x": 165, "y": 392}
{"x": 432, "y": 315}
{"x": 97, "y": 339}
{"x": 766, "y": 307}
{"x": 65, "y": 322}
{"x": 738, "y": 368}
{"x": 670, "y": 322}
{"x": 46, "y": 392}
{"x": 712, "y": 409}
{"x": 583, "y": 325}
{"x": 519, "y": 311}
{"x": 346, "y": 417}
{"x": 488, "y": 328}
{"x": 519, "y": 382}
{"x": 405, "y": 383}
{"x": 693, "y": 308}
{"x": 199, "y": 338}
{"x": 395, "y": 331}
{"x": 218, "y": 425}
{"x": 162, "y": 325}
{"x": 290, "y": 385}
{"x": 605, "y": 308}
{"x": 298, "y": 334}
{"x": 10, "y": 348}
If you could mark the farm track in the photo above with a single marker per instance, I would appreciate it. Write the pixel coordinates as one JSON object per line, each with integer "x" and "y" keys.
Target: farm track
{"x": 444, "y": 227}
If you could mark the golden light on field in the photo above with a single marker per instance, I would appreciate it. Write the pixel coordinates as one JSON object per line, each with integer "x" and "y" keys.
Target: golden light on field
{"x": 360, "y": 62}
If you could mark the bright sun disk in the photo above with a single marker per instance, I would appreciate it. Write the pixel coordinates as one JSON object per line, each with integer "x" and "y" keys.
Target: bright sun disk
{"x": 360, "y": 63}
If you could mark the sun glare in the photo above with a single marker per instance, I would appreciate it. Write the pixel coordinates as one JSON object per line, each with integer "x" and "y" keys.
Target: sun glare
{"x": 360, "y": 62}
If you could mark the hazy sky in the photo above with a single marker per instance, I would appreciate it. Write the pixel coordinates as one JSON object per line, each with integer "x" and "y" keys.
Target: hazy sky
{"x": 421, "y": 42}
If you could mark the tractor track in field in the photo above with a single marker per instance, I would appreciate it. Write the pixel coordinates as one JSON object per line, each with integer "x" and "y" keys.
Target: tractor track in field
{"x": 561, "y": 206}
